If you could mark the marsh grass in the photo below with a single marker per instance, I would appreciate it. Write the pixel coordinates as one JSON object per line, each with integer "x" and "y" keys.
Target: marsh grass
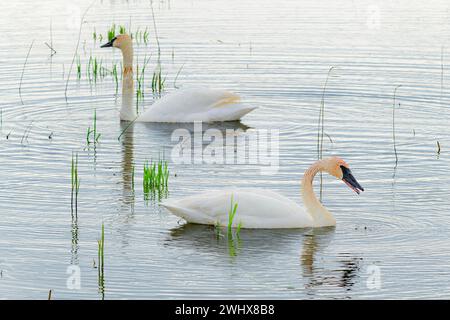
{"x": 140, "y": 79}
{"x": 155, "y": 178}
{"x": 321, "y": 129}
{"x": 140, "y": 36}
{"x": 158, "y": 81}
{"x": 176, "y": 77}
{"x": 78, "y": 68}
{"x": 232, "y": 246}
{"x": 231, "y": 215}
{"x": 393, "y": 124}
{"x": 115, "y": 77}
{"x": 76, "y": 49}
{"x": 132, "y": 176}
{"x": 75, "y": 183}
{"x": 111, "y": 33}
{"x": 92, "y": 136}
{"x": 23, "y": 70}
{"x": 26, "y": 133}
{"x": 101, "y": 261}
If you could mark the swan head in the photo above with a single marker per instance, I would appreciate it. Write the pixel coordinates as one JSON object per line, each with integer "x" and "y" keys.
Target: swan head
{"x": 341, "y": 170}
{"x": 121, "y": 41}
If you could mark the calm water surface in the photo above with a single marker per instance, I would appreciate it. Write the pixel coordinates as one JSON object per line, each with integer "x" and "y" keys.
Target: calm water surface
{"x": 276, "y": 54}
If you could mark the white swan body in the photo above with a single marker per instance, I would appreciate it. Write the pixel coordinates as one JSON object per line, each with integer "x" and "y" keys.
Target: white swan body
{"x": 196, "y": 104}
{"x": 185, "y": 105}
{"x": 259, "y": 208}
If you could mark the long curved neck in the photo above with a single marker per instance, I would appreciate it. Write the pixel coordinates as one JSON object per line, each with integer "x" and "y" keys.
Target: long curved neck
{"x": 127, "y": 112}
{"x": 322, "y": 217}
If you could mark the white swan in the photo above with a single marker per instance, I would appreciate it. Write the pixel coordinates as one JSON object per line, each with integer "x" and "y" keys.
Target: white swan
{"x": 259, "y": 208}
{"x": 185, "y": 105}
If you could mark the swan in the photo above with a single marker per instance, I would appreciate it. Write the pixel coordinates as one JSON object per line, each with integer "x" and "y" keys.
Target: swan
{"x": 264, "y": 209}
{"x": 183, "y": 105}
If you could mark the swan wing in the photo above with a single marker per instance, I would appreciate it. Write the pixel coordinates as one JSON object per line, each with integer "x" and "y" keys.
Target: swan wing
{"x": 196, "y": 104}
{"x": 257, "y": 208}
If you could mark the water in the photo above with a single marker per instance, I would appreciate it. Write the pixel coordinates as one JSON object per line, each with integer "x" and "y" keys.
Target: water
{"x": 276, "y": 54}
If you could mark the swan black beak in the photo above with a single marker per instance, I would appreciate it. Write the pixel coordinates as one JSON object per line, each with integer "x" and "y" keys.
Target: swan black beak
{"x": 350, "y": 180}
{"x": 109, "y": 44}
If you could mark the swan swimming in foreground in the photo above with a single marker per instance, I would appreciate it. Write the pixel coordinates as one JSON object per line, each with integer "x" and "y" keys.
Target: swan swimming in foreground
{"x": 258, "y": 208}
{"x": 184, "y": 105}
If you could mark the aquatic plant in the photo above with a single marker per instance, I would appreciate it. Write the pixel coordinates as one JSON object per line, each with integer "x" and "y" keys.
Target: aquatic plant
{"x": 92, "y": 136}
{"x": 76, "y": 49}
{"x": 111, "y": 32}
{"x": 140, "y": 77}
{"x": 78, "y": 68}
{"x": 393, "y": 124}
{"x": 115, "y": 76}
{"x": 231, "y": 215}
{"x": 75, "y": 183}
{"x": 145, "y": 35}
{"x": 132, "y": 176}
{"x": 26, "y": 133}
{"x": 176, "y": 77}
{"x": 158, "y": 81}
{"x": 101, "y": 261}
{"x": 321, "y": 129}
{"x": 155, "y": 178}
{"x": 23, "y": 71}
{"x": 50, "y": 46}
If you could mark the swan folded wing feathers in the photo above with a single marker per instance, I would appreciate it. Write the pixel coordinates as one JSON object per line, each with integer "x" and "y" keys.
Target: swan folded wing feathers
{"x": 227, "y": 99}
{"x": 196, "y": 104}
{"x": 271, "y": 209}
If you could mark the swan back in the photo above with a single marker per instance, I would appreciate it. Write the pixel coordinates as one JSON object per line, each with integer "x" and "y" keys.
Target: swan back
{"x": 196, "y": 104}
{"x": 257, "y": 208}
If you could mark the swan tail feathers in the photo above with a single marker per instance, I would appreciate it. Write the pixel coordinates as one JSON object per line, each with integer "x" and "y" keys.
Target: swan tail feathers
{"x": 187, "y": 214}
{"x": 233, "y": 113}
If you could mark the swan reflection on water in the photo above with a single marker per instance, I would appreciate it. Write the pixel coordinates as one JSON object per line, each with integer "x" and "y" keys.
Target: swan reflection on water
{"x": 251, "y": 246}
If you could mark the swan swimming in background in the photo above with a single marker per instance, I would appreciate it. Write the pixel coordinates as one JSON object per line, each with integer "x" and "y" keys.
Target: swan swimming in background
{"x": 184, "y": 105}
{"x": 259, "y": 208}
